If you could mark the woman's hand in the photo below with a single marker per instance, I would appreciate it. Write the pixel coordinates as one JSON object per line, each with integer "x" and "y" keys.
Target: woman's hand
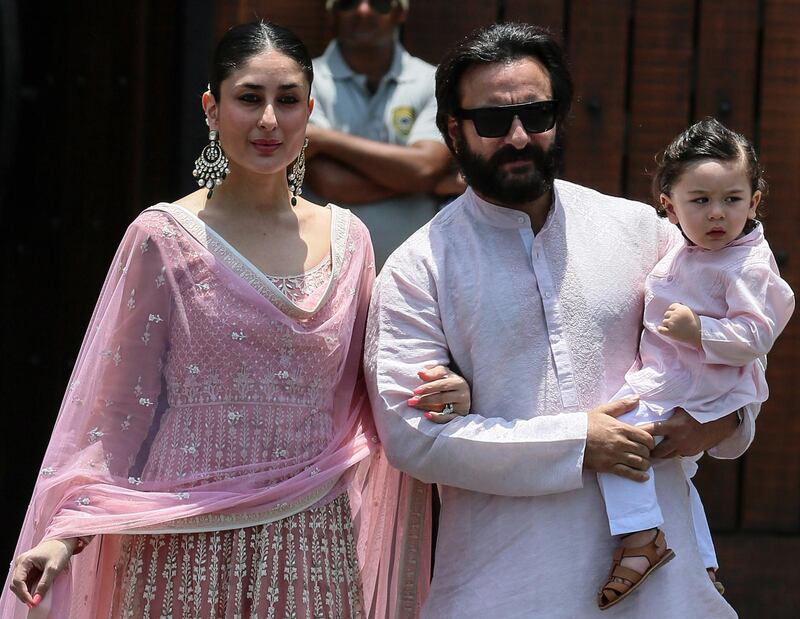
{"x": 441, "y": 387}
{"x": 35, "y": 570}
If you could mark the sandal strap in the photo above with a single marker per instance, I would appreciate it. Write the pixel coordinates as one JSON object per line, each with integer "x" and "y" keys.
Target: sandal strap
{"x": 632, "y": 576}
{"x": 615, "y": 588}
{"x": 649, "y": 551}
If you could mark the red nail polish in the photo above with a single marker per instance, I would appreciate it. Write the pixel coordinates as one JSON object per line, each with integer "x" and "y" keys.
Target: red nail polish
{"x": 36, "y": 599}
{"x": 412, "y": 401}
{"x": 419, "y": 390}
{"x": 428, "y": 416}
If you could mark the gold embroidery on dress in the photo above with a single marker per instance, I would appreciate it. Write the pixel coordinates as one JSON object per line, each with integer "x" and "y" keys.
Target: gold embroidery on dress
{"x": 303, "y": 566}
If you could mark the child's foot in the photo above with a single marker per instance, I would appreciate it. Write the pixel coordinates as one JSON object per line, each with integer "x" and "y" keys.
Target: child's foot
{"x": 638, "y": 555}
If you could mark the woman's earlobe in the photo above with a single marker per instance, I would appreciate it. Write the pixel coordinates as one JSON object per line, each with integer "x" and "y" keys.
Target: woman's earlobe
{"x": 210, "y": 108}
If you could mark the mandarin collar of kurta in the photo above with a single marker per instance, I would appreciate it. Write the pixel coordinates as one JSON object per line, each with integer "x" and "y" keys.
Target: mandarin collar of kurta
{"x": 751, "y": 239}
{"x": 505, "y": 217}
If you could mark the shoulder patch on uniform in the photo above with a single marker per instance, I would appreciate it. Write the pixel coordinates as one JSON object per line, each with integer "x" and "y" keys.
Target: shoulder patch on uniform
{"x": 403, "y": 118}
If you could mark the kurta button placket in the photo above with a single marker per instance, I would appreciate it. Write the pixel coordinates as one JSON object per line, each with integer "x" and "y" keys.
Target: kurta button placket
{"x": 554, "y": 320}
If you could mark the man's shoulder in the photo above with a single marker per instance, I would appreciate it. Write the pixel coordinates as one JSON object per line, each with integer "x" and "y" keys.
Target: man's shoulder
{"x": 580, "y": 195}
{"x": 327, "y": 63}
{"x": 322, "y": 69}
{"x": 415, "y": 68}
{"x": 432, "y": 238}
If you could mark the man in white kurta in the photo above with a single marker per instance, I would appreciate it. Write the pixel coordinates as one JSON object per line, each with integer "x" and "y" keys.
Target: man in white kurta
{"x": 543, "y": 319}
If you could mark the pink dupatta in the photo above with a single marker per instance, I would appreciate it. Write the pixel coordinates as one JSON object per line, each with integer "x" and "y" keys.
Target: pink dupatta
{"x": 186, "y": 328}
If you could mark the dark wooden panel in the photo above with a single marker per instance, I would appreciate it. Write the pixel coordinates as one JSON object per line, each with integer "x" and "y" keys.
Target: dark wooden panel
{"x": 772, "y": 491}
{"x": 99, "y": 145}
{"x": 760, "y": 574}
{"x": 598, "y": 53}
{"x": 306, "y": 18}
{"x": 727, "y": 55}
{"x": 434, "y": 27}
{"x": 548, "y": 13}
{"x": 717, "y": 482}
{"x": 727, "y": 59}
{"x": 661, "y": 85}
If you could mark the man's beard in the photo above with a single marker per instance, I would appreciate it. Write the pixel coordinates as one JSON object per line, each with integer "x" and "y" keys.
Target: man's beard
{"x": 513, "y": 187}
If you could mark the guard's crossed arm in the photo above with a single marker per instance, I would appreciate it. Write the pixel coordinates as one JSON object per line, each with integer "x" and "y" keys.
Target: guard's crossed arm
{"x": 377, "y": 168}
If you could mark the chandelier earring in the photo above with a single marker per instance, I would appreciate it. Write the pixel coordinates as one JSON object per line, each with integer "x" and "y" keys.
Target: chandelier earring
{"x": 297, "y": 173}
{"x": 211, "y": 167}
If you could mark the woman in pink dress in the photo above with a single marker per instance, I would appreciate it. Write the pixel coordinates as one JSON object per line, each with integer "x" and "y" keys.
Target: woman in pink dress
{"x": 214, "y": 455}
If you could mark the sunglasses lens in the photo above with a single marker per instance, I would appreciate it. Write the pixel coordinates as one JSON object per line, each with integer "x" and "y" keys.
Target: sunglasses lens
{"x": 492, "y": 123}
{"x": 538, "y": 119}
{"x": 379, "y": 6}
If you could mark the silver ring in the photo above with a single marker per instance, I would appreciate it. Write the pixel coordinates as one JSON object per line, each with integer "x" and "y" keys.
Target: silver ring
{"x": 448, "y": 409}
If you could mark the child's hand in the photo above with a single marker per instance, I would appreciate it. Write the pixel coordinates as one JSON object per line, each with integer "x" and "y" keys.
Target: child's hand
{"x": 682, "y": 324}
{"x": 441, "y": 387}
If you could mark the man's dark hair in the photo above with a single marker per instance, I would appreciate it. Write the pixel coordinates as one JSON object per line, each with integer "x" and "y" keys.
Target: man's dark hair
{"x": 500, "y": 43}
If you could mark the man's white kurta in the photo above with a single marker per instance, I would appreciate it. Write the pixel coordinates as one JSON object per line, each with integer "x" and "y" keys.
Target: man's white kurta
{"x": 544, "y": 329}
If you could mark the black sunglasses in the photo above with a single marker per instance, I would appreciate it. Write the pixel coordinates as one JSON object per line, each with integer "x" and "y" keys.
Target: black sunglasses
{"x": 379, "y": 6}
{"x": 494, "y": 122}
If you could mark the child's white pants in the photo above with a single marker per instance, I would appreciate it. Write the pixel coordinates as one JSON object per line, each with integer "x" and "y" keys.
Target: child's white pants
{"x": 633, "y": 506}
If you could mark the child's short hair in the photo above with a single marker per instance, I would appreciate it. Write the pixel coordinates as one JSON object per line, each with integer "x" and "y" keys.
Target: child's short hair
{"x": 707, "y": 139}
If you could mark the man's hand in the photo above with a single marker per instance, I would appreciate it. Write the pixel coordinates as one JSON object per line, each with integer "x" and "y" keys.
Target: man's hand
{"x": 616, "y": 447}
{"x": 685, "y": 436}
{"x": 682, "y": 324}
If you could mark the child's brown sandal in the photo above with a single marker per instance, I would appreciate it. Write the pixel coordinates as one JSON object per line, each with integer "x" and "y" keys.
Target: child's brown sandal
{"x": 615, "y": 591}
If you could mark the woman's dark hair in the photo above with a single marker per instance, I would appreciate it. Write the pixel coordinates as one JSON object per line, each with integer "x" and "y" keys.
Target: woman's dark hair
{"x": 707, "y": 139}
{"x": 244, "y": 41}
{"x": 500, "y": 43}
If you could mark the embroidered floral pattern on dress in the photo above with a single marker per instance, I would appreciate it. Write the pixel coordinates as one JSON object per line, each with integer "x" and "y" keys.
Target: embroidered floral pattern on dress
{"x": 301, "y": 566}
{"x": 94, "y": 435}
{"x": 113, "y": 355}
{"x": 298, "y": 288}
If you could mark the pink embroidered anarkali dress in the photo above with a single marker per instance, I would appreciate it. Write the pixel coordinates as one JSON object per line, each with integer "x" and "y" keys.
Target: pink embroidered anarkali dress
{"x": 217, "y": 439}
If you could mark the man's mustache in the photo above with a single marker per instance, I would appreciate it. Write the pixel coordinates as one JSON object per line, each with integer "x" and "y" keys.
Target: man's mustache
{"x": 508, "y": 154}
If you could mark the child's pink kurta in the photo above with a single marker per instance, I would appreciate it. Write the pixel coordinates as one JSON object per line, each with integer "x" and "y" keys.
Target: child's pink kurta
{"x": 743, "y": 306}
{"x": 210, "y": 436}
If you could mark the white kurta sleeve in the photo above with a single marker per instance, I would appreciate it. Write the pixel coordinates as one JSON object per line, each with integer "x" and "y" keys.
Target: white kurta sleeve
{"x": 482, "y": 452}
